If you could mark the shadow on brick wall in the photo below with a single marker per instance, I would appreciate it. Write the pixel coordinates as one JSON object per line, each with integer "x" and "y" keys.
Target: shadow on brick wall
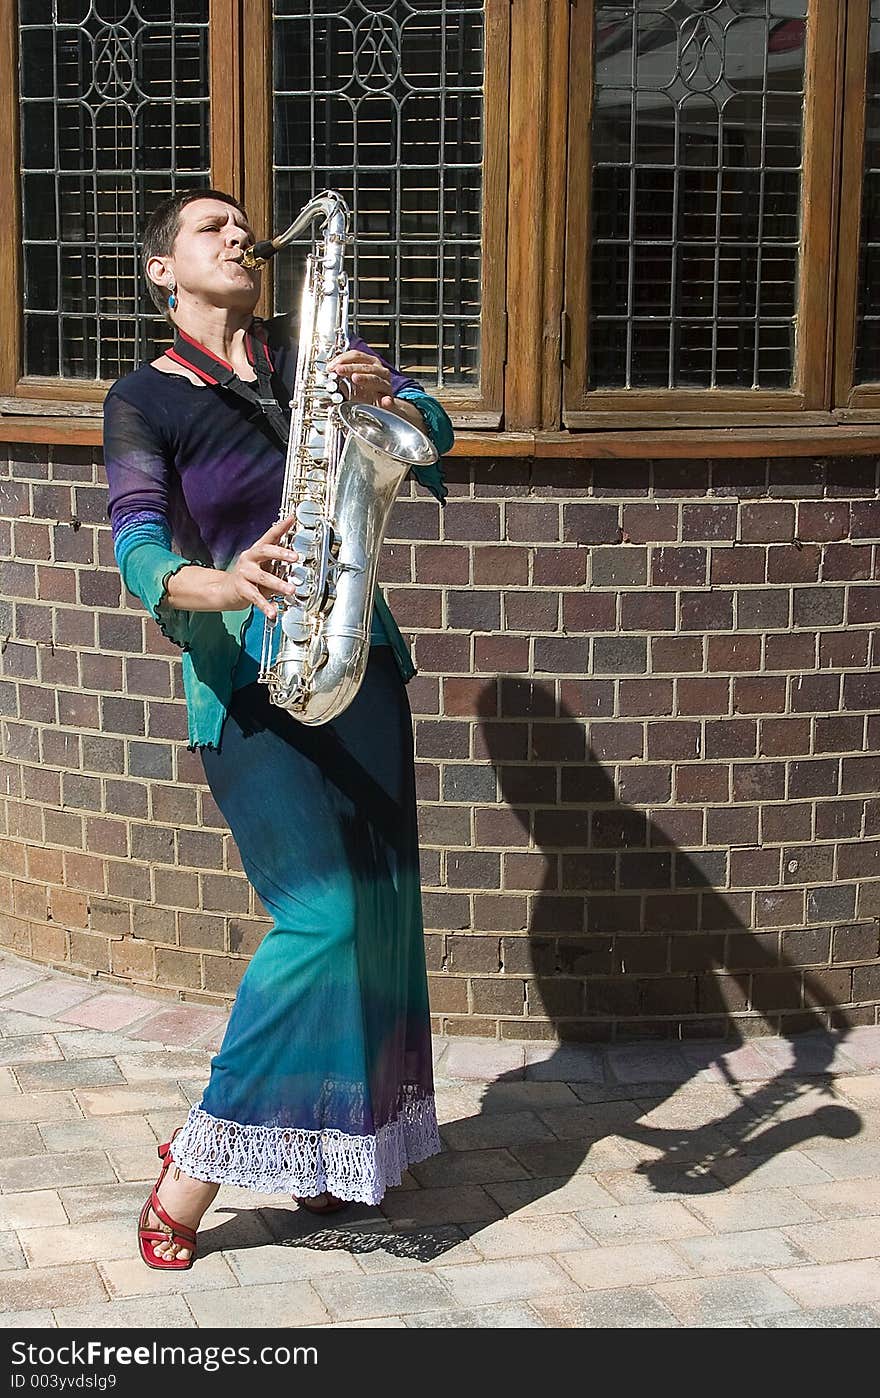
{"x": 651, "y": 949}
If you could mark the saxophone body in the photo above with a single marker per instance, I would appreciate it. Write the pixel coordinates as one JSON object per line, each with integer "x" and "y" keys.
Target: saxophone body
{"x": 345, "y": 464}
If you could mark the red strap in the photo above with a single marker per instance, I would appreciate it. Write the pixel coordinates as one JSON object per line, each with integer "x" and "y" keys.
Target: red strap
{"x": 179, "y": 1228}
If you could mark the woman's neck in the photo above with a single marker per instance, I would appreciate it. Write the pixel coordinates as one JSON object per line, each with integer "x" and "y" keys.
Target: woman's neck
{"x": 220, "y": 329}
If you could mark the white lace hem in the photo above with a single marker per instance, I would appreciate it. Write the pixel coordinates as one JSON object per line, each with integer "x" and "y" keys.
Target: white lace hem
{"x": 287, "y": 1160}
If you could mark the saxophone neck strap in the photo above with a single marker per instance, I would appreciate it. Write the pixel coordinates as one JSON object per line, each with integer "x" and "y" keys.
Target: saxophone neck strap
{"x": 258, "y": 397}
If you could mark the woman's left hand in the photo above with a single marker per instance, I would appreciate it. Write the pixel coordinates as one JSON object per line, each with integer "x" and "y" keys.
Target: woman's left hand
{"x": 369, "y": 378}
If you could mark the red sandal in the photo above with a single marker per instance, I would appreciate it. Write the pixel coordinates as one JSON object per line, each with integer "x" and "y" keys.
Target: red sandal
{"x": 174, "y": 1232}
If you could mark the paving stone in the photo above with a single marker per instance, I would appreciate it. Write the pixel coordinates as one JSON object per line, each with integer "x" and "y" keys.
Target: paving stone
{"x": 8, "y": 1085}
{"x": 383, "y": 1323}
{"x": 131, "y": 1277}
{"x": 636, "y": 1264}
{"x": 523, "y": 1237}
{"x": 27, "y": 1320}
{"x": 848, "y": 1282}
{"x": 550, "y": 1196}
{"x": 641, "y": 1222}
{"x": 653, "y": 1180}
{"x": 564, "y": 1063}
{"x": 634, "y": 1309}
{"x": 259, "y": 1266}
{"x": 20, "y": 1138}
{"x": 388, "y": 1294}
{"x": 461, "y": 1204}
{"x": 99, "y": 1133}
{"x": 95, "y": 1043}
{"x": 163, "y": 1313}
{"x": 542, "y": 1159}
{"x": 109, "y": 1011}
{"x": 14, "y": 1024}
{"x": 507, "y": 1316}
{"x": 69, "y": 1073}
{"x": 742, "y": 1064}
{"x": 483, "y": 1283}
{"x": 482, "y": 1061}
{"x": 843, "y": 1198}
{"x": 408, "y": 1251}
{"x": 169, "y": 1063}
{"x": 53, "y": 1171}
{"x": 740, "y": 1252}
{"x": 51, "y": 1286}
{"x": 39, "y": 1107}
{"x": 287, "y": 1304}
{"x": 734, "y": 1213}
{"x": 495, "y": 1129}
{"x": 526, "y": 1096}
{"x": 77, "y": 1242}
{"x": 862, "y": 1088}
{"x": 135, "y": 1163}
{"x": 454, "y": 1103}
{"x": 671, "y": 1148}
{"x": 807, "y": 1054}
{"x": 13, "y": 976}
{"x": 114, "y": 1101}
{"x": 838, "y": 1241}
{"x": 863, "y": 1046}
{"x": 824, "y": 1318}
{"x": 738, "y": 1296}
{"x": 637, "y": 1064}
{"x": 467, "y": 1167}
{"x": 85, "y": 1204}
{"x": 791, "y": 1169}
{"x": 852, "y": 1161}
{"x": 11, "y": 1256}
{"x": 40, "y": 1209}
{"x": 50, "y": 997}
{"x": 178, "y": 1027}
{"x": 34, "y": 1048}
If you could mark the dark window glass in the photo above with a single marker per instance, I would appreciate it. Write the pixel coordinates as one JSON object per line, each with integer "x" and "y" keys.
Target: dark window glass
{"x": 383, "y": 101}
{"x": 696, "y": 190}
{"x": 114, "y": 118}
{"x": 867, "y": 366}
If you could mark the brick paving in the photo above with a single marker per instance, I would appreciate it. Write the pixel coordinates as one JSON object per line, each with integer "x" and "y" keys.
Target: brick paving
{"x": 667, "y": 1186}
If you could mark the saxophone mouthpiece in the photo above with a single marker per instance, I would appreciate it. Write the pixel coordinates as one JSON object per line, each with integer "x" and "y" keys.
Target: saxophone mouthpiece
{"x": 259, "y": 254}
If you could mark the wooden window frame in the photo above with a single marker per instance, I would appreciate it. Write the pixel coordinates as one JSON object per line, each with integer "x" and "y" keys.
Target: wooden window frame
{"x": 538, "y": 88}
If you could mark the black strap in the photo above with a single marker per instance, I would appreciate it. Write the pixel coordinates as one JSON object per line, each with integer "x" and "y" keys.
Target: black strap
{"x": 259, "y": 399}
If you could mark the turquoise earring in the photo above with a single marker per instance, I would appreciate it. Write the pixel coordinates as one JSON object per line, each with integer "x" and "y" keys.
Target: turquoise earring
{"x": 172, "y": 299}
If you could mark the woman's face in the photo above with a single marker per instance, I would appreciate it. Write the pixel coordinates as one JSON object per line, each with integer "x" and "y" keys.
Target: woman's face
{"x": 205, "y": 258}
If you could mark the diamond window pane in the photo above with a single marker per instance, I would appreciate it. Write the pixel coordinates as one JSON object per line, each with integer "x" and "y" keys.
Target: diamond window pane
{"x": 384, "y": 103}
{"x": 696, "y": 146}
{"x": 114, "y": 119}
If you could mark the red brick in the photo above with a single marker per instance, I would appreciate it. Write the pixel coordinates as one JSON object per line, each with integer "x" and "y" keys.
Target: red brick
{"x": 564, "y": 567}
{"x": 708, "y": 521}
{"x": 591, "y": 524}
{"x": 443, "y": 563}
{"x": 730, "y": 653}
{"x": 677, "y": 655}
{"x": 823, "y": 520}
{"x": 763, "y": 523}
{"x": 504, "y": 565}
{"x": 846, "y": 562}
{"x": 645, "y": 697}
{"x": 792, "y": 564}
{"x": 531, "y": 611}
{"x": 589, "y": 611}
{"x": 863, "y": 605}
{"x": 795, "y": 651}
{"x": 530, "y": 523}
{"x": 649, "y": 523}
{"x": 684, "y": 566}
{"x": 759, "y": 695}
{"x": 702, "y": 781}
{"x": 702, "y": 696}
{"x": 644, "y": 611}
{"x": 494, "y": 654}
{"x": 738, "y": 565}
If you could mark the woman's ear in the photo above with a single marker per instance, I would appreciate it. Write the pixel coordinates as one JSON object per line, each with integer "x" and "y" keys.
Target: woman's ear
{"x": 159, "y": 272}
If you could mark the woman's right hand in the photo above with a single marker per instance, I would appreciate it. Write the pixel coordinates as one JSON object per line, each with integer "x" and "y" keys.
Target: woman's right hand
{"x": 250, "y": 580}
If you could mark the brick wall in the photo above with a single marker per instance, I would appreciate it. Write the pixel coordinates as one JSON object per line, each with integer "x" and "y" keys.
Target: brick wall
{"x": 647, "y": 735}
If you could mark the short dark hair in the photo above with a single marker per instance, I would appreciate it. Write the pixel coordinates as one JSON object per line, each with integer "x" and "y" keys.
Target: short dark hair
{"x": 162, "y": 228}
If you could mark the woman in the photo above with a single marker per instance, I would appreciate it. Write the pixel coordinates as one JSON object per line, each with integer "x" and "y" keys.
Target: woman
{"x": 323, "y": 1085}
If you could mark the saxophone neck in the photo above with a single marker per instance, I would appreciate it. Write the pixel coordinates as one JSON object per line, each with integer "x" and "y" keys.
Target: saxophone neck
{"x": 329, "y": 205}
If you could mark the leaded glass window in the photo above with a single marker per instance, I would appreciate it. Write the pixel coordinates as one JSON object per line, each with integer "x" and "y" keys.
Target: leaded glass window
{"x": 867, "y": 364}
{"x": 114, "y": 118}
{"x": 383, "y": 101}
{"x": 696, "y": 193}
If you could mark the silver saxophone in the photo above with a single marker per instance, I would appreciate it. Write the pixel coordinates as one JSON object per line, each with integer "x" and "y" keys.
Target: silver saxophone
{"x": 345, "y": 464}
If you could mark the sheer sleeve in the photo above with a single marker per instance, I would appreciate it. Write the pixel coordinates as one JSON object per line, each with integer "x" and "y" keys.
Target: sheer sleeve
{"x": 138, "y": 473}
